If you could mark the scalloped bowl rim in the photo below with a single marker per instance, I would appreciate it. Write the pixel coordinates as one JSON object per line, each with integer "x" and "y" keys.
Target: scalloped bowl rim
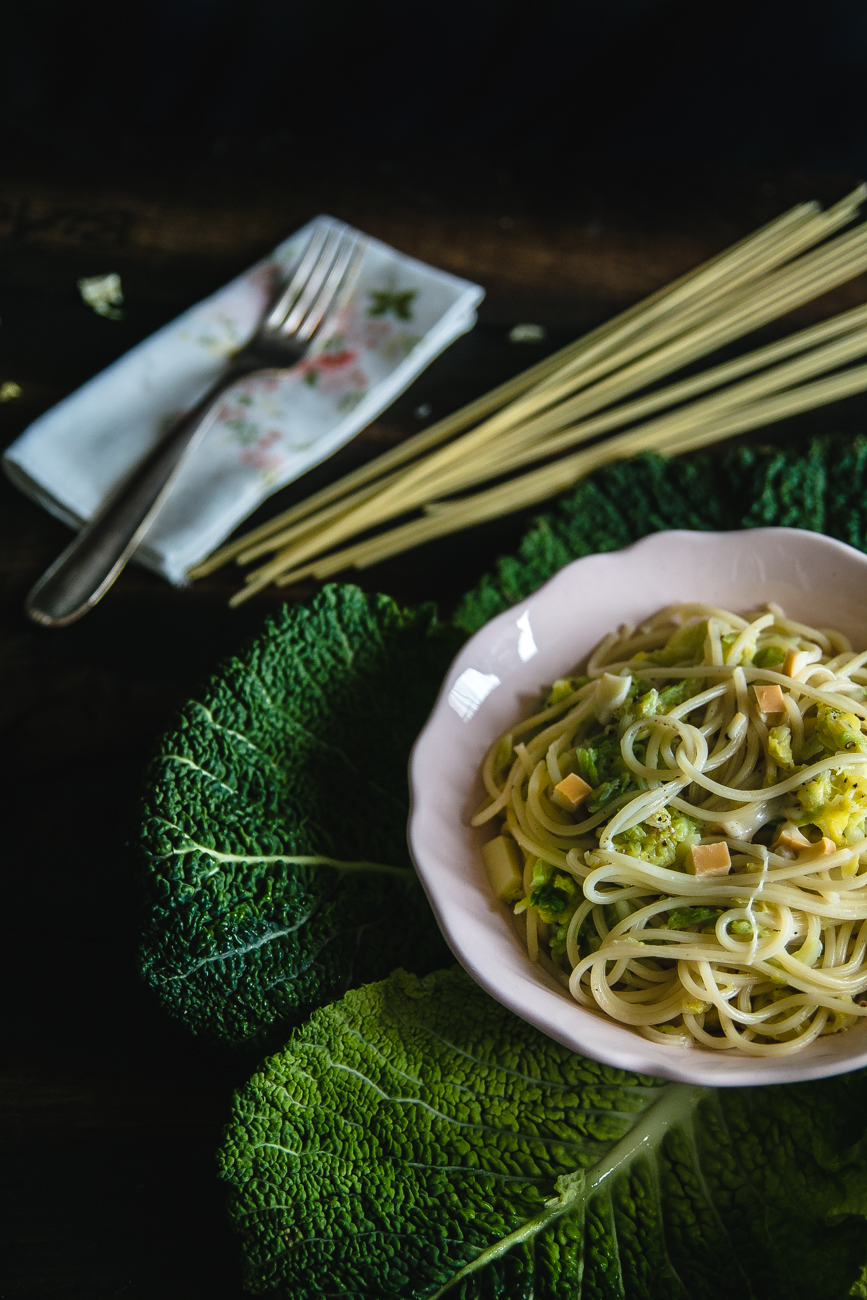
{"x": 493, "y": 681}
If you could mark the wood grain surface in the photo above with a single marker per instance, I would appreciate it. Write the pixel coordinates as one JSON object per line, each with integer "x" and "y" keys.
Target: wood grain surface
{"x": 109, "y": 1114}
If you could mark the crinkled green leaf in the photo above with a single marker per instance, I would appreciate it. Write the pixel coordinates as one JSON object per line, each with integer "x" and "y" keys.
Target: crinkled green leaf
{"x": 416, "y": 1139}
{"x": 820, "y": 485}
{"x": 295, "y": 749}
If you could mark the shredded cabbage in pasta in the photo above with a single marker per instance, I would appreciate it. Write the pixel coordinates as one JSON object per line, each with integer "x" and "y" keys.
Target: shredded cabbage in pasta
{"x": 689, "y": 817}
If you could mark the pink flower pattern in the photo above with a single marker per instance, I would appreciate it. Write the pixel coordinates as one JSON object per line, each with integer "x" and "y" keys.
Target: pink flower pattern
{"x": 258, "y": 456}
{"x": 336, "y": 371}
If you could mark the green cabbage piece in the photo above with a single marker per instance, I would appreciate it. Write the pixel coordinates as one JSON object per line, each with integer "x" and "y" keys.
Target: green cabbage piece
{"x": 780, "y": 746}
{"x": 563, "y": 688}
{"x": 601, "y": 765}
{"x": 770, "y": 656}
{"x": 295, "y": 749}
{"x": 835, "y": 801}
{"x": 747, "y": 654}
{"x": 416, "y": 1139}
{"x": 641, "y": 702}
{"x": 608, "y": 791}
{"x": 671, "y": 696}
{"x": 685, "y": 644}
{"x": 839, "y": 730}
{"x": 663, "y": 838}
{"x": 555, "y": 898}
{"x": 691, "y": 918}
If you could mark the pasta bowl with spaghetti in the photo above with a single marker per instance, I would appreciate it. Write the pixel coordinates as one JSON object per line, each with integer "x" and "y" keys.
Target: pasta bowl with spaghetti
{"x": 640, "y": 807}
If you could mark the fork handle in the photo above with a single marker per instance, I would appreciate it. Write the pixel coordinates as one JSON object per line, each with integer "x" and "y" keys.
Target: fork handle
{"x": 95, "y": 557}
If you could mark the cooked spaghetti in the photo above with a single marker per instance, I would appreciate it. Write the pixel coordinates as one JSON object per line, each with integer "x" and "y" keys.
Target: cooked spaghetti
{"x": 682, "y": 830}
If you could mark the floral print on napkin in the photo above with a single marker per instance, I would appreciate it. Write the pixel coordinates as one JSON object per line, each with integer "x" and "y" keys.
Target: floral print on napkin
{"x": 361, "y": 343}
{"x": 270, "y": 428}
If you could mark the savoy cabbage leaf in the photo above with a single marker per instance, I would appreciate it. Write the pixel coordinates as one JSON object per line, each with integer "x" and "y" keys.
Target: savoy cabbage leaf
{"x": 276, "y": 867}
{"x": 417, "y": 1140}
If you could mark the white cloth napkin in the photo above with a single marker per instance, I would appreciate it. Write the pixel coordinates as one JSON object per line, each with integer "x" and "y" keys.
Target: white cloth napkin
{"x": 400, "y": 315}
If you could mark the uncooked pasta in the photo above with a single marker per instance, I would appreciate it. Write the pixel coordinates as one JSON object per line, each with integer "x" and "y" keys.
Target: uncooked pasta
{"x": 606, "y": 396}
{"x": 681, "y": 830}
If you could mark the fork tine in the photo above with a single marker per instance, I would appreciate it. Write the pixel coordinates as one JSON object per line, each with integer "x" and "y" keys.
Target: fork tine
{"x": 342, "y": 270}
{"x": 315, "y": 282}
{"x": 310, "y": 289}
{"x": 293, "y": 290}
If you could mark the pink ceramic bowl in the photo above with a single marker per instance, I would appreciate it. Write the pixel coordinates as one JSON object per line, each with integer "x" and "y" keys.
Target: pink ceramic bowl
{"x": 497, "y": 678}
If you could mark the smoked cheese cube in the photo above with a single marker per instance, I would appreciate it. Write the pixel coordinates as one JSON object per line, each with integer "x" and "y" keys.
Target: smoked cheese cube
{"x": 571, "y": 792}
{"x": 819, "y": 850}
{"x": 709, "y": 859}
{"x": 789, "y": 837}
{"x": 770, "y": 699}
{"x": 794, "y": 661}
{"x": 505, "y": 868}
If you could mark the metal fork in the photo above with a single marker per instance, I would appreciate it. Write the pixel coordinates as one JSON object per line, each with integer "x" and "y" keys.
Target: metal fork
{"x": 84, "y": 572}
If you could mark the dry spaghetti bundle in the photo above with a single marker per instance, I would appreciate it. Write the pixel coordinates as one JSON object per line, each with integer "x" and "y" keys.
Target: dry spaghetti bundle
{"x": 607, "y": 390}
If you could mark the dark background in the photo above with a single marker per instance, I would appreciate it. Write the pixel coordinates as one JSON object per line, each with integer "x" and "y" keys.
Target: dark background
{"x": 750, "y": 83}
{"x": 571, "y": 157}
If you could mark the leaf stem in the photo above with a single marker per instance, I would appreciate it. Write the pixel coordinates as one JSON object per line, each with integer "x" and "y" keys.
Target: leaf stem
{"x": 676, "y": 1104}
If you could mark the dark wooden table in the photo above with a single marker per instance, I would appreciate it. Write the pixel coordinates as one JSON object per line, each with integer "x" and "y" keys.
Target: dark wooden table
{"x": 109, "y": 1114}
